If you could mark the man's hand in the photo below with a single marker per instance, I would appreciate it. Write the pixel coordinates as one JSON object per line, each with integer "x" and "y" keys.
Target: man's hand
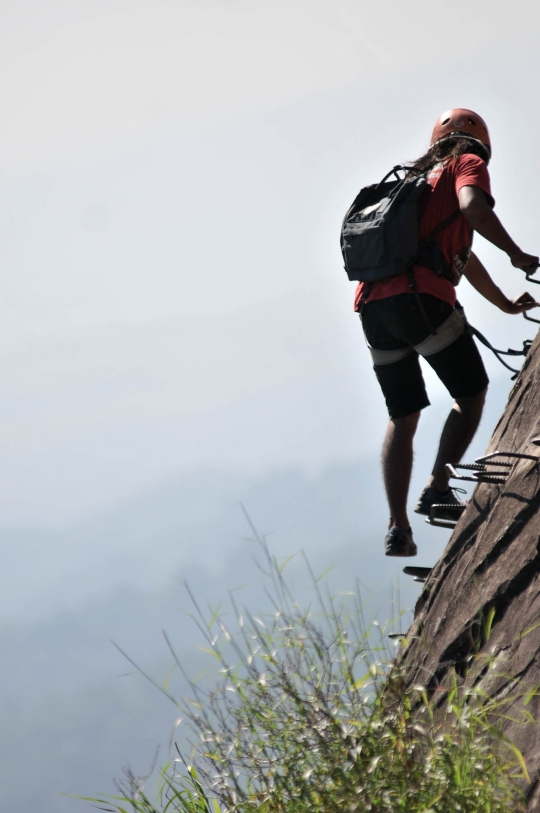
{"x": 527, "y": 262}
{"x": 521, "y": 303}
{"x": 480, "y": 279}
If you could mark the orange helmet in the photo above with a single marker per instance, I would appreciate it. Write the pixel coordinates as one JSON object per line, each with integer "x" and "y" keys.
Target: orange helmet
{"x": 461, "y": 121}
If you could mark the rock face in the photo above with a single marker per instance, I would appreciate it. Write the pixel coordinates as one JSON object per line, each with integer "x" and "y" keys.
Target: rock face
{"x": 483, "y": 596}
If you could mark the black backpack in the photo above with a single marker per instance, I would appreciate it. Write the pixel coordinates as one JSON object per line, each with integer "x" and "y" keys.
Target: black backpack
{"x": 379, "y": 235}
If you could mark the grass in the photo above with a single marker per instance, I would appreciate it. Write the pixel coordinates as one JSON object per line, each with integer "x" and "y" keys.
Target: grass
{"x": 308, "y": 714}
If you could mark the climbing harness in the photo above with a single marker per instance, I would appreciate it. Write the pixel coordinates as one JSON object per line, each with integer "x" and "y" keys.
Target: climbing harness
{"x": 527, "y": 343}
{"x": 498, "y": 353}
{"x": 473, "y": 331}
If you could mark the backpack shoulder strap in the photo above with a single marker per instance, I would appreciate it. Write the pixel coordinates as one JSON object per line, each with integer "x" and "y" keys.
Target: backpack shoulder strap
{"x": 410, "y": 273}
{"x": 446, "y": 222}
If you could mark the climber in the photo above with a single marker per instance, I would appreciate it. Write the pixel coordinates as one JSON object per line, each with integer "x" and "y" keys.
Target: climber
{"x": 400, "y": 323}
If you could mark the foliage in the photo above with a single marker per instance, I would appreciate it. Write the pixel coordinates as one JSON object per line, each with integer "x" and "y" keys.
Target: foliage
{"x": 310, "y": 715}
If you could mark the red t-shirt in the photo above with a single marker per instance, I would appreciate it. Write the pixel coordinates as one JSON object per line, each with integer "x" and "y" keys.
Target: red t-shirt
{"x": 454, "y": 242}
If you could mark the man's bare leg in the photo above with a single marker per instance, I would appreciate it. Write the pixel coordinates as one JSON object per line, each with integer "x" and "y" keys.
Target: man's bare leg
{"x": 458, "y": 432}
{"x": 397, "y": 461}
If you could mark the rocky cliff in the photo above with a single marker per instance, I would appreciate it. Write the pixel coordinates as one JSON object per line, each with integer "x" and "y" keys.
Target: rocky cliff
{"x": 480, "y": 605}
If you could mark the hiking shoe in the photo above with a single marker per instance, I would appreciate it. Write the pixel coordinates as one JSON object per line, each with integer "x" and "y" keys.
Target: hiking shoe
{"x": 431, "y": 497}
{"x": 399, "y": 542}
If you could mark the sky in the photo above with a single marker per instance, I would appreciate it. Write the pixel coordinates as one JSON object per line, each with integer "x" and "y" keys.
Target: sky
{"x": 176, "y": 327}
{"x": 172, "y": 180}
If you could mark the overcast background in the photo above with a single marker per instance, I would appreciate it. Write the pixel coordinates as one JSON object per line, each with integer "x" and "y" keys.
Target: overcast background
{"x": 176, "y": 328}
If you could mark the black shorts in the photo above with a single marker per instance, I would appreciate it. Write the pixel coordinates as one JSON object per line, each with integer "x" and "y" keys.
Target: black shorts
{"x": 395, "y": 324}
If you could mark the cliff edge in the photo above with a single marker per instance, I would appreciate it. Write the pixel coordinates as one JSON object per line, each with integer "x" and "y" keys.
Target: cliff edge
{"x": 483, "y": 596}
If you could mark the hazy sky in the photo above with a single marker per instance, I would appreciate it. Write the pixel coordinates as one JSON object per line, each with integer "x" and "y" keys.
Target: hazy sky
{"x": 176, "y": 328}
{"x": 172, "y": 180}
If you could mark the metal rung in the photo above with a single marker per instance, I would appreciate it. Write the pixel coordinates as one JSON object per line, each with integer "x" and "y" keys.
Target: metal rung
{"x": 441, "y": 523}
{"x": 445, "y": 522}
{"x": 453, "y": 473}
{"x": 481, "y": 477}
{"x": 515, "y": 455}
{"x": 531, "y": 318}
{"x": 491, "y": 478}
{"x": 446, "y": 507}
{"x": 481, "y": 466}
{"x": 420, "y": 573}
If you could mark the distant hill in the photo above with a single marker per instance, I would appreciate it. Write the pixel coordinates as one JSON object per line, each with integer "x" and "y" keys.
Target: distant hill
{"x": 73, "y": 712}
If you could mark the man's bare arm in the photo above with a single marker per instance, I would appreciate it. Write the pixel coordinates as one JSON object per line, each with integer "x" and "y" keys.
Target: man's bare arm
{"x": 481, "y": 217}
{"x": 480, "y": 279}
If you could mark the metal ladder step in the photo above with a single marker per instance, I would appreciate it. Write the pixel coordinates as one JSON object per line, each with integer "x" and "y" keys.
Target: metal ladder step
{"x": 420, "y": 573}
{"x": 441, "y": 523}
